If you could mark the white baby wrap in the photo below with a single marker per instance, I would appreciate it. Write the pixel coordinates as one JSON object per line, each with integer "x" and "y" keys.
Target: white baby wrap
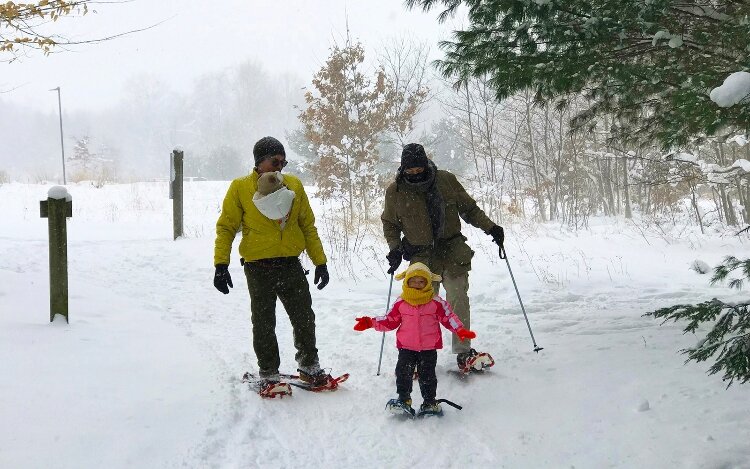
{"x": 275, "y": 205}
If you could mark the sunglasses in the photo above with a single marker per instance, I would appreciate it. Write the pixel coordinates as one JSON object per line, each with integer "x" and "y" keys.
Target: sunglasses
{"x": 276, "y": 163}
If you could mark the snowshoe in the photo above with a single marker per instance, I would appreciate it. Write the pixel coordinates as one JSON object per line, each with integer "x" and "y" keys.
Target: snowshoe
{"x": 430, "y": 409}
{"x": 473, "y": 361}
{"x": 268, "y": 388}
{"x": 400, "y": 407}
{"x": 329, "y": 384}
{"x": 318, "y": 381}
{"x": 273, "y": 389}
{"x": 316, "y": 378}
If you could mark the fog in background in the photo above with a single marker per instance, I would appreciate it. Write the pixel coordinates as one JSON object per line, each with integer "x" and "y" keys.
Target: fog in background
{"x": 211, "y": 77}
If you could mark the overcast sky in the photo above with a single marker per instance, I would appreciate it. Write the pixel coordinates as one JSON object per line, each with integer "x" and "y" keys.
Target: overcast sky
{"x": 197, "y": 36}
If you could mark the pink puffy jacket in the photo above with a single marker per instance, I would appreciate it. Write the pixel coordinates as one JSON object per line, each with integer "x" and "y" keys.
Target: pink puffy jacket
{"x": 419, "y": 324}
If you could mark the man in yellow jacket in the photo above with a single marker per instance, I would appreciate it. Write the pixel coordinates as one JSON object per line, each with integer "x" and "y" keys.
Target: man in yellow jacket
{"x": 270, "y": 253}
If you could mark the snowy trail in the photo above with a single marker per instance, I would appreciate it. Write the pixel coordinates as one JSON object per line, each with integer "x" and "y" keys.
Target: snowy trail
{"x": 608, "y": 390}
{"x": 533, "y": 392}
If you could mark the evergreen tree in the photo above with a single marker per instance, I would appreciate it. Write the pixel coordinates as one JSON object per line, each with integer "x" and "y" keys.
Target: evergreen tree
{"x": 225, "y": 163}
{"x": 730, "y": 335}
{"x": 648, "y": 64}
{"x": 305, "y": 156}
{"x": 82, "y": 157}
{"x": 87, "y": 165}
{"x": 446, "y": 145}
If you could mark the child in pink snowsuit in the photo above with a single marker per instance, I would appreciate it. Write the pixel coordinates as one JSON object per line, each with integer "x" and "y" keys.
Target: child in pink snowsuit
{"x": 417, "y": 314}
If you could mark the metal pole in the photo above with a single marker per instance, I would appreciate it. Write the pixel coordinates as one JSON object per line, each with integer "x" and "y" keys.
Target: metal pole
{"x": 382, "y": 339}
{"x": 503, "y": 255}
{"x": 62, "y": 142}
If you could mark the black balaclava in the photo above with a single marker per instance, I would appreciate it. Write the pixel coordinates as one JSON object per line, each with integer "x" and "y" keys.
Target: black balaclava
{"x": 265, "y": 147}
{"x": 414, "y": 156}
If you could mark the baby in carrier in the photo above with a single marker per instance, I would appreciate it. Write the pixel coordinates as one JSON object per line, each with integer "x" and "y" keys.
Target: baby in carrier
{"x": 273, "y": 199}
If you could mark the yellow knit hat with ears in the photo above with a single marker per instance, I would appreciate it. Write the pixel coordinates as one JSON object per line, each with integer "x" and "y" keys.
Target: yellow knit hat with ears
{"x": 418, "y": 269}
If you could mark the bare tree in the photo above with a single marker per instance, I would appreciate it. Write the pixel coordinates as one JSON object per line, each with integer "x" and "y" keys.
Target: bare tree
{"x": 25, "y": 26}
{"x": 404, "y": 63}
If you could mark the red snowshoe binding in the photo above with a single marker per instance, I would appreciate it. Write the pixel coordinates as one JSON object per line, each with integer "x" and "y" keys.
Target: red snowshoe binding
{"x": 319, "y": 380}
{"x": 474, "y": 361}
{"x": 269, "y": 388}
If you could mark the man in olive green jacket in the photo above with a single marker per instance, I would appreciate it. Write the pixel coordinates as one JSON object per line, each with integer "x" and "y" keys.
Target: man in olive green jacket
{"x": 270, "y": 253}
{"x": 424, "y": 204}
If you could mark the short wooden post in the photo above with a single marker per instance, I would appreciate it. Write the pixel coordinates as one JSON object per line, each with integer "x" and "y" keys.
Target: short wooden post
{"x": 55, "y": 209}
{"x": 175, "y": 191}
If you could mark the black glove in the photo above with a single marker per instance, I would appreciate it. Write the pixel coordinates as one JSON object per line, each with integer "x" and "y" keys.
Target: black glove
{"x": 409, "y": 250}
{"x": 222, "y": 279}
{"x": 498, "y": 235}
{"x": 394, "y": 259}
{"x": 321, "y": 275}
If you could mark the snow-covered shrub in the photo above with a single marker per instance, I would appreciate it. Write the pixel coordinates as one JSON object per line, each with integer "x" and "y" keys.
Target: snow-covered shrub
{"x": 700, "y": 267}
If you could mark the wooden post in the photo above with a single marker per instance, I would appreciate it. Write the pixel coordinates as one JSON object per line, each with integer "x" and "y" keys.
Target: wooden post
{"x": 176, "y": 192}
{"x": 56, "y": 211}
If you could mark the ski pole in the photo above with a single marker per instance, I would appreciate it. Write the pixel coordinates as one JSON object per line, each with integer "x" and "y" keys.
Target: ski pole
{"x": 382, "y": 339}
{"x": 503, "y": 255}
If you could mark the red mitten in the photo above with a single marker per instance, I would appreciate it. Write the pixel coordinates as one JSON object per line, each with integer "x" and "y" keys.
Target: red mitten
{"x": 464, "y": 334}
{"x": 363, "y": 324}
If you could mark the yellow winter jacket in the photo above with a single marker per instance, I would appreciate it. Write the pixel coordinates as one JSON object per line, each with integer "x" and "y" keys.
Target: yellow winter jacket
{"x": 263, "y": 238}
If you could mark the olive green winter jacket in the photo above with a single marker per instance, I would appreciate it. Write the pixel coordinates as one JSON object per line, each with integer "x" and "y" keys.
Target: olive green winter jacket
{"x": 263, "y": 238}
{"x": 405, "y": 211}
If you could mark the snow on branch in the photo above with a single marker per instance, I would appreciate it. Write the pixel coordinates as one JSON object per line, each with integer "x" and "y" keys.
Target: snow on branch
{"x": 703, "y": 10}
{"x": 713, "y": 172}
{"x": 734, "y": 90}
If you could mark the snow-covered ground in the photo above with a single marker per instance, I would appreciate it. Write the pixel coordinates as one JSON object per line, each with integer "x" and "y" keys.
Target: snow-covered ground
{"x": 147, "y": 372}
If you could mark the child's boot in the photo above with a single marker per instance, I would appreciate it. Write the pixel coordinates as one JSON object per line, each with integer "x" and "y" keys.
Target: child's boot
{"x": 400, "y": 406}
{"x": 430, "y": 409}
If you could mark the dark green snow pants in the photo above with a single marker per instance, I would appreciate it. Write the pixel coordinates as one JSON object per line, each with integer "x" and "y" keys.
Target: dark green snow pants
{"x": 282, "y": 278}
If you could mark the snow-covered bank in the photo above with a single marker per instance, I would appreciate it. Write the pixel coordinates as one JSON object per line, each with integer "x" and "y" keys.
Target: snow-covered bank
{"x": 147, "y": 373}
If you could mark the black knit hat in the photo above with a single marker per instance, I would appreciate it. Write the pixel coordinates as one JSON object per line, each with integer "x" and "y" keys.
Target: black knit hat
{"x": 413, "y": 156}
{"x": 265, "y": 147}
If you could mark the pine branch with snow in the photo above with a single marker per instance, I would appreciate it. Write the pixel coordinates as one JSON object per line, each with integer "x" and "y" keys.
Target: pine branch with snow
{"x": 648, "y": 64}
{"x": 730, "y": 334}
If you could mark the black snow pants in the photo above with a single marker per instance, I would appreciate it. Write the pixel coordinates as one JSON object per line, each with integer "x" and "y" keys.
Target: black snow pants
{"x": 424, "y": 362}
